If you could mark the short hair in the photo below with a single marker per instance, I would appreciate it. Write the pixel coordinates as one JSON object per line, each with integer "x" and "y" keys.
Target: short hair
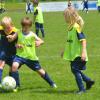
{"x": 6, "y": 21}
{"x": 26, "y": 21}
{"x": 36, "y": 2}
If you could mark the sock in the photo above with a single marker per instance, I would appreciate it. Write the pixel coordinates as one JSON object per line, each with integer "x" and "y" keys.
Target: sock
{"x": 37, "y": 32}
{"x": 48, "y": 79}
{"x": 1, "y": 70}
{"x": 42, "y": 30}
{"x": 15, "y": 75}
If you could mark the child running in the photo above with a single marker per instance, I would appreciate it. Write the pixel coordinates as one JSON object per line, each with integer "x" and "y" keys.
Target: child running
{"x": 26, "y": 54}
{"x": 8, "y": 39}
{"x": 85, "y": 5}
{"x": 38, "y": 18}
{"x": 75, "y": 50}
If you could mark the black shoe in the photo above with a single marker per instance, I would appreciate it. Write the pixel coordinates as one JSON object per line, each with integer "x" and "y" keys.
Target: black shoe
{"x": 89, "y": 84}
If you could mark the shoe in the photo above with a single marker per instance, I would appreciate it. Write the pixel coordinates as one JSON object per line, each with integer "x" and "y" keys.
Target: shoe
{"x": 89, "y": 84}
{"x": 16, "y": 89}
{"x": 54, "y": 85}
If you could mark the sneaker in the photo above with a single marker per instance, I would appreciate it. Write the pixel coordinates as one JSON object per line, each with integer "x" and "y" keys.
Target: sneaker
{"x": 16, "y": 89}
{"x": 89, "y": 84}
{"x": 54, "y": 86}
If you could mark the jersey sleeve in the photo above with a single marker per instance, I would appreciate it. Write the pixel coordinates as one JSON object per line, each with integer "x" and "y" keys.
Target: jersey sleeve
{"x": 80, "y": 34}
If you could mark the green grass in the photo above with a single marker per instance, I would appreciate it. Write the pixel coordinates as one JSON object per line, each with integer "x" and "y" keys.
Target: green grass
{"x": 33, "y": 87}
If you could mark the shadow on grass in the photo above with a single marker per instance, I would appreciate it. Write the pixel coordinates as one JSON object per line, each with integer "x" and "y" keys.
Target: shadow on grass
{"x": 42, "y": 90}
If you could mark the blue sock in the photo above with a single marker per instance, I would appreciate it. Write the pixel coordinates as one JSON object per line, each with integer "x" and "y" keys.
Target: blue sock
{"x": 15, "y": 75}
{"x": 48, "y": 79}
{"x": 1, "y": 70}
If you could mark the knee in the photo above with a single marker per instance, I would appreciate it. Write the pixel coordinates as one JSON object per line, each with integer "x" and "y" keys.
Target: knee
{"x": 2, "y": 64}
{"x": 41, "y": 72}
{"x": 14, "y": 67}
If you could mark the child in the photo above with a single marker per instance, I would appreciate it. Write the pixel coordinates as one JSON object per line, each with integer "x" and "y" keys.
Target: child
{"x": 26, "y": 54}
{"x": 28, "y": 7}
{"x": 38, "y": 18}
{"x": 98, "y": 4}
{"x": 8, "y": 39}
{"x": 85, "y": 5}
{"x": 69, "y": 3}
{"x": 75, "y": 50}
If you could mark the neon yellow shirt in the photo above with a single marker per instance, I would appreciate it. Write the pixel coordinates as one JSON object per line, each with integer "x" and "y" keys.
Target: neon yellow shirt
{"x": 28, "y": 41}
{"x": 39, "y": 15}
{"x": 73, "y": 47}
{"x": 98, "y": 3}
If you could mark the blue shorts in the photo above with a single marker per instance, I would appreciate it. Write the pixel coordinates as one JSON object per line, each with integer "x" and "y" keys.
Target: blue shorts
{"x": 34, "y": 65}
{"x": 38, "y": 25}
{"x": 8, "y": 59}
{"x": 78, "y": 63}
{"x": 86, "y": 5}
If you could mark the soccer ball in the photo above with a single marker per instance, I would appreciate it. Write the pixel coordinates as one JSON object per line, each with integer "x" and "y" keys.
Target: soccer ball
{"x": 8, "y": 83}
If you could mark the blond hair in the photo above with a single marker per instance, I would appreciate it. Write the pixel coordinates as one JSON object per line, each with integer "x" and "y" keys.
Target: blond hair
{"x": 6, "y": 21}
{"x": 72, "y": 17}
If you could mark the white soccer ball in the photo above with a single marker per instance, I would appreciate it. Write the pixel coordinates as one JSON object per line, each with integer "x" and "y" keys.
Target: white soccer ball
{"x": 8, "y": 83}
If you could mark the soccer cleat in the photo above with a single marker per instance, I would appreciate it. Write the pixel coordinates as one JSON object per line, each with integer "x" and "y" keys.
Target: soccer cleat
{"x": 16, "y": 89}
{"x": 54, "y": 85}
{"x": 89, "y": 84}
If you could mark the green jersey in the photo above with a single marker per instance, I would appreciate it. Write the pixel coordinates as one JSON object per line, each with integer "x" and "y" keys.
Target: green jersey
{"x": 98, "y": 3}
{"x": 28, "y": 43}
{"x": 39, "y": 15}
{"x": 73, "y": 47}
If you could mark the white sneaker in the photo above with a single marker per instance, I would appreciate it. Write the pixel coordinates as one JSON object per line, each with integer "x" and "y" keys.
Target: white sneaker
{"x": 54, "y": 86}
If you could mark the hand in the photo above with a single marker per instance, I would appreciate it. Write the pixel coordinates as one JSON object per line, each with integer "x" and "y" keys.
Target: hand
{"x": 10, "y": 38}
{"x": 83, "y": 56}
{"x": 19, "y": 46}
{"x": 37, "y": 43}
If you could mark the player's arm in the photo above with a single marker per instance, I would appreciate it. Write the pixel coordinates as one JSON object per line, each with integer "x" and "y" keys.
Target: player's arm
{"x": 82, "y": 39}
{"x": 12, "y": 37}
{"x": 38, "y": 41}
{"x": 35, "y": 14}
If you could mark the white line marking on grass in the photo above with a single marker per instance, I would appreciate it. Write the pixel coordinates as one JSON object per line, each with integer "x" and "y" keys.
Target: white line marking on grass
{"x": 57, "y": 56}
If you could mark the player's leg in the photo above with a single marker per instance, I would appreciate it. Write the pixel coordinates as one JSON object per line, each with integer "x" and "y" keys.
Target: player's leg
{"x": 2, "y": 64}
{"x": 42, "y": 30}
{"x": 89, "y": 82}
{"x": 99, "y": 9}
{"x": 14, "y": 73}
{"x": 78, "y": 76}
{"x": 37, "y": 28}
{"x": 34, "y": 65}
{"x": 46, "y": 77}
{"x": 86, "y": 8}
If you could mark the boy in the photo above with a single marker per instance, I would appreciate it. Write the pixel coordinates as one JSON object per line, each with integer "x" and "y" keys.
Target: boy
{"x": 38, "y": 18}
{"x": 26, "y": 54}
{"x": 85, "y": 5}
{"x": 8, "y": 39}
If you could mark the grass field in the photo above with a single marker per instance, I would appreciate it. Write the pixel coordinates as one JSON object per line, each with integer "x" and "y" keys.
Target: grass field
{"x": 33, "y": 87}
